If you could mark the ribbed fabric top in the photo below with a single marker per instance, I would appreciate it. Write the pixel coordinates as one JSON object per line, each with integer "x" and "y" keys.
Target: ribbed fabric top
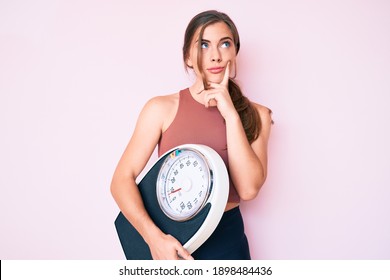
{"x": 196, "y": 124}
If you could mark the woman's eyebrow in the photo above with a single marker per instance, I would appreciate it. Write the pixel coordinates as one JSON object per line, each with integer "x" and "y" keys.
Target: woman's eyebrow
{"x": 222, "y": 39}
{"x": 226, "y": 38}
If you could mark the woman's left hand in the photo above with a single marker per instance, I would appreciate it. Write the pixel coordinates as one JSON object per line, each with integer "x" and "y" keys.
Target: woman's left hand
{"x": 218, "y": 95}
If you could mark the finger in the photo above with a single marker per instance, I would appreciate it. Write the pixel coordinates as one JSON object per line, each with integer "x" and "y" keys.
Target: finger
{"x": 210, "y": 100}
{"x": 183, "y": 253}
{"x": 215, "y": 86}
{"x": 225, "y": 80}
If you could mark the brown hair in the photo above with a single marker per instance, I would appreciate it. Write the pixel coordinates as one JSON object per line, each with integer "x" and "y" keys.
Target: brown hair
{"x": 249, "y": 116}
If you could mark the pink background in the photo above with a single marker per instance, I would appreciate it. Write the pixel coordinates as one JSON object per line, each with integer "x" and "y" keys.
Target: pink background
{"x": 75, "y": 74}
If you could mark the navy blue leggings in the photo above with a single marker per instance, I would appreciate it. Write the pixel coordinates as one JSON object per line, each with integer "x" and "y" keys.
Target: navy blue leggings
{"x": 228, "y": 241}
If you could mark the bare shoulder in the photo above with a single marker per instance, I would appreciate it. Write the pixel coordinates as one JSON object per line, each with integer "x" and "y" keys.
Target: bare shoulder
{"x": 265, "y": 114}
{"x": 161, "y": 105}
{"x": 163, "y": 108}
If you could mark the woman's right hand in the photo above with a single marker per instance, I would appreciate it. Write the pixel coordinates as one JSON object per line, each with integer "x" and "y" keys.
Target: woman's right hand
{"x": 150, "y": 124}
{"x": 166, "y": 247}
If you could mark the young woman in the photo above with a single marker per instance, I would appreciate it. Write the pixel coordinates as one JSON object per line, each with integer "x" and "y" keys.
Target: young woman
{"x": 213, "y": 112}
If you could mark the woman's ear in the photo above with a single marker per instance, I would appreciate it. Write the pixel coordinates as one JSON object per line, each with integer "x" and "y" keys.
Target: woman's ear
{"x": 189, "y": 63}
{"x": 233, "y": 69}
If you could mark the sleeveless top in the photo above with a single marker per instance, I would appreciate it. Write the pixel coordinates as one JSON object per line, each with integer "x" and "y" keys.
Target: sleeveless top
{"x": 196, "y": 124}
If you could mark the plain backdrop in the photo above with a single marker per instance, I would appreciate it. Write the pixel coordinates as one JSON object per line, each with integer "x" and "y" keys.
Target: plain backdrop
{"x": 74, "y": 76}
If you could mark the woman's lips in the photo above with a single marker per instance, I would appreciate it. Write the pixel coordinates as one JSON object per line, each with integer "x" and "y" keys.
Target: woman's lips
{"x": 215, "y": 70}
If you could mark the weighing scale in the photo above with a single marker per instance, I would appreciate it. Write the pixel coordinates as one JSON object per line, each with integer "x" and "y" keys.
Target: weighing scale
{"x": 185, "y": 193}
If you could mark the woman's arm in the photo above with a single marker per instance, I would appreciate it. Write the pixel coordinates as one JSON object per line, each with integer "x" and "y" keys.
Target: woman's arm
{"x": 146, "y": 135}
{"x": 248, "y": 162}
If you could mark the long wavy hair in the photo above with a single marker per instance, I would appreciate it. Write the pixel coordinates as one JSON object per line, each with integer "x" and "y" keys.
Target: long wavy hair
{"x": 249, "y": 116}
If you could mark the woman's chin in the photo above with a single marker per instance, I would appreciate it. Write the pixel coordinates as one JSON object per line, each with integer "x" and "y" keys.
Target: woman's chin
{"x": 215, "y": 80}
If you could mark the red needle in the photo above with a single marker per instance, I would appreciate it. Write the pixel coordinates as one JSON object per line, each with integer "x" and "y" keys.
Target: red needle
{"x": 179, "y": 189}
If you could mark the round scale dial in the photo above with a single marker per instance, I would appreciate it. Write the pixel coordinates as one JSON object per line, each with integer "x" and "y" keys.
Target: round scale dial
{"x": 183, "y": 184}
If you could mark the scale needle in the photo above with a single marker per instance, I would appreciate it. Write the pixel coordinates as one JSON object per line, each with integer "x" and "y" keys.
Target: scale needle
{"x": 179, "y": 189}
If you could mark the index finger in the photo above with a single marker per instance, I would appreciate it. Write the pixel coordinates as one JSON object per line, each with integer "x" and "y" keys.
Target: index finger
{"x": 225, "y": 80}
{"x": 183, "y": 253}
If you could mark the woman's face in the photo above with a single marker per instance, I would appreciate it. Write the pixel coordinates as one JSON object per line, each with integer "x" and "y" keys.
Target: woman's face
{"x": 217, "y": 50}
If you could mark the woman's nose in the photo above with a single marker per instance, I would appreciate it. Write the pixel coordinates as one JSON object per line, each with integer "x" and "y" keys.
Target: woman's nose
{"x": 216, "y": 56}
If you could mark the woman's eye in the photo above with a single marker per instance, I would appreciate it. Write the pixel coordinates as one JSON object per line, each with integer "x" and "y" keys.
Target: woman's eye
{"x": 225, "y": 44}
{"x": 204, "y": 45}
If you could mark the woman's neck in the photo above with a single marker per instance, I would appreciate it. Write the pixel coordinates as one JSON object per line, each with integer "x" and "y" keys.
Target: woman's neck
{"x": 197, "y": 91}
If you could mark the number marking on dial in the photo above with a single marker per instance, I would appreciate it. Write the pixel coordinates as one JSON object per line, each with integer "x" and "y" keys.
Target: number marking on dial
{"x": 183, "y": 184}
